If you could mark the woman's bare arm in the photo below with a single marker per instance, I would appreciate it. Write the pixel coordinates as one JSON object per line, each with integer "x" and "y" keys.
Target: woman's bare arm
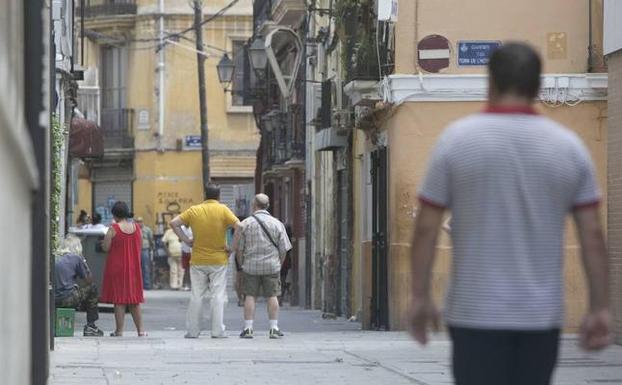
{"x": 108, "y": 239}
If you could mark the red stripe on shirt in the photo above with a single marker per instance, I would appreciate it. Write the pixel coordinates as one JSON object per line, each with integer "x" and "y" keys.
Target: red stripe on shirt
{"x": 428, "y": 202}
{"x": 587, "y": 205}
{"x": 492, "y": 109}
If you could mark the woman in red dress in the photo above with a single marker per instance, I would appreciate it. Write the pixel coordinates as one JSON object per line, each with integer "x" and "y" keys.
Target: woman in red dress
{"x": 123, "y": 282}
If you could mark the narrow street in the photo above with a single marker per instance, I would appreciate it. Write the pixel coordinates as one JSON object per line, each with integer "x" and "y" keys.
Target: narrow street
{"x": 314, "y": 351}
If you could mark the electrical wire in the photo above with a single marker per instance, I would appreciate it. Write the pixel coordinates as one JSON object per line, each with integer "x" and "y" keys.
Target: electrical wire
{"x": 180, "y": 34}
{"x": 209, "y": 19}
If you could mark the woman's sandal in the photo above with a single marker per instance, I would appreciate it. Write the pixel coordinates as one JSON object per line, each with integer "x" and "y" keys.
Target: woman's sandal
{"x": 115, "y": 334}
{"x": 142, "y": 334}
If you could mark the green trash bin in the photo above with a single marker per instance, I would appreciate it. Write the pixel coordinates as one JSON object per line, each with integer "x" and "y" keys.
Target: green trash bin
{"x": 65, "y": 319}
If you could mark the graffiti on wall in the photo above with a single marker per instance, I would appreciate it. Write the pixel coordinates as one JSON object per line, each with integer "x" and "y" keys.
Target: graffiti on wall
{"x": 171, "y": 204}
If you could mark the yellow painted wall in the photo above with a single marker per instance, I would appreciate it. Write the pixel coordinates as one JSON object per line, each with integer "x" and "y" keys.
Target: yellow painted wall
{"x": 529, "y": 20}
{"x": 230, "y": 127}
{"x": 84, "y": 202}
{"x": 413, "y": 131}
{"x": 356, "y": 291}
{"x": 166, "y": 182}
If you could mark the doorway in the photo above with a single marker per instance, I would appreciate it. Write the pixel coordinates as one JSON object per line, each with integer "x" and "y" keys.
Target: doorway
{"x": 380, "y": 266}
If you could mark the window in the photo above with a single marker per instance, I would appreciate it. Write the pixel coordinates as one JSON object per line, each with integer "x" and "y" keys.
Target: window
{"x": 237, "y": 83}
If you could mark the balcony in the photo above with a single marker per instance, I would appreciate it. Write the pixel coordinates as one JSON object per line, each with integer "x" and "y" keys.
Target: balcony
{"x": 288, "y": 12}
{"x": 262, "y": 13}
{"x": 108, "y": 15}
{"x": 118, "y": 127}
{"x": 95, "y": 8}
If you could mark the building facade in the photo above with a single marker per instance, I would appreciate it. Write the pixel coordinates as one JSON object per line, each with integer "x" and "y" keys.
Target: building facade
{"x": 140, "y": 86}
{"x": 439, "y": 77}
{"x": 24, "y": 73}
{"x": 613, "y": 50}
{"x": 277, "y": 93}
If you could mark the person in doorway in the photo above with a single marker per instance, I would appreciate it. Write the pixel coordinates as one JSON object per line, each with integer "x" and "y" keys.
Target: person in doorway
{"x": 209, "y": 222}
{"x": 186, "y": 256}
{"x": 123, "y": 283}
{"x": 74, "y": 287}
{"x": 509, "y": 177}
{"x": 286, "y": 267}
{"x": 172, "y": 245}
{"x": 146, "y": 252}
{"x": 261, "y": 247}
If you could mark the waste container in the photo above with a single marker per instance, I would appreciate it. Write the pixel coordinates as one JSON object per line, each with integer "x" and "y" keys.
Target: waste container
{"x": 93, "y": 253}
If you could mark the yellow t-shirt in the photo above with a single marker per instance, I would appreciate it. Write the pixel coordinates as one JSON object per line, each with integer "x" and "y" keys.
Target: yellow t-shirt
{"x": 209, "y": 222}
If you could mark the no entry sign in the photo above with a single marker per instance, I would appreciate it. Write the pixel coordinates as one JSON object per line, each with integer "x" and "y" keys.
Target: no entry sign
{"x": 433, "y": 53}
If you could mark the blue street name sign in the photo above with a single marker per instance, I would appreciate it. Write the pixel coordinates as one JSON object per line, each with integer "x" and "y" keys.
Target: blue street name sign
{"x": 475, "y": 53}
{"x": 193, "y": 141}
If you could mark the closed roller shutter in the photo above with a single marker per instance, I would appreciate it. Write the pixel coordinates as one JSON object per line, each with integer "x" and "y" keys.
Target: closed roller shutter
{"x": 238, "y": 197}
{"x": 109, "y": 186}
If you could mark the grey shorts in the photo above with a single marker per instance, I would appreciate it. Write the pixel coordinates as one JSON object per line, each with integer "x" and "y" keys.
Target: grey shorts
{"x": 267, "y": 286}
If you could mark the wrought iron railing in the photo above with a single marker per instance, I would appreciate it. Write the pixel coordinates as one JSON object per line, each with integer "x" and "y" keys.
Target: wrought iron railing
{"x": 117, "y": 125}
{"x": 94, "y": 8}
{"x": 262, "y": 12}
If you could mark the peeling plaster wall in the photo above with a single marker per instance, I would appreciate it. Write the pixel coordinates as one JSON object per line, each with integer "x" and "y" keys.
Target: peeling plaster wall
{"x": 413, "y": 131}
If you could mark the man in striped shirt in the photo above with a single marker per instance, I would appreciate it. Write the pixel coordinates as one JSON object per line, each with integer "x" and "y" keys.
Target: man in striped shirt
{"x": 509, "y": 177}
{"x": 261, "y": 247}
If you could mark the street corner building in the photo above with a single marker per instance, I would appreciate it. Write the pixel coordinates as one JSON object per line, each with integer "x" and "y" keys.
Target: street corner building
{"x": 343, "y": 149}
{"x": 439, "y": 77}
{"x": 140, "y": 87}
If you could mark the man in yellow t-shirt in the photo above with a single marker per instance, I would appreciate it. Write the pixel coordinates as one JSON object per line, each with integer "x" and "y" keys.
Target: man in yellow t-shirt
{"x": 209, "y": 222}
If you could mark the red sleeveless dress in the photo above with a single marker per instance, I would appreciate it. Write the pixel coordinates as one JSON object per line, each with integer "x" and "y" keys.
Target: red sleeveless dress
{"x": 123, "y": 281}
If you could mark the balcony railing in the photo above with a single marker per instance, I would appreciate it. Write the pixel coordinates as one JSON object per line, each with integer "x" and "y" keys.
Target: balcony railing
{"x": 288, "y": 12}
{"x": 262, "y": 12}
{"x": 94, "y": 8}
{"x": 117, "y": 127}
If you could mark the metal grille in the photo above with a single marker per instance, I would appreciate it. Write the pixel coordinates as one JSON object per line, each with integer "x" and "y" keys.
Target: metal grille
{"x": 111, "y": 185}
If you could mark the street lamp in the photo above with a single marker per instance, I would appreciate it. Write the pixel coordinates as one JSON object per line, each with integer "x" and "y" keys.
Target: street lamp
{"x": 225, "y": 70}
{"x": 257, "y": 54}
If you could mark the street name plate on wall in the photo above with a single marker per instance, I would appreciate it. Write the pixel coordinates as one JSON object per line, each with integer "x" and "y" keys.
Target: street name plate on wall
{"x": 143, "y": 119}
{"x": 476, "y": 53}
{"x": 193, "y": 141}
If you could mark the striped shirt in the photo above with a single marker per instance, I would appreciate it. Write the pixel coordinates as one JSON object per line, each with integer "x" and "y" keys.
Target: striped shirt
{"x": 509, "y": 180}
{"x": 259, "y": 255}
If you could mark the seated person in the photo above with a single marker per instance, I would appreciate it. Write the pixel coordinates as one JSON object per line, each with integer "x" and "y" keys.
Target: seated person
{"x": 69, "y": 267}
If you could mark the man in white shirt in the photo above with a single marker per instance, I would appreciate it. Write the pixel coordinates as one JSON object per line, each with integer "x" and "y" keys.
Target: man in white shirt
{"x": 510, "y": 178}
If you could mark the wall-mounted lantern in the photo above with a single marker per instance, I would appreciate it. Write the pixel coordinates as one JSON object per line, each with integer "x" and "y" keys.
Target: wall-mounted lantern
{"x": 225, "y": 69}
{"x": 257, "y": 54}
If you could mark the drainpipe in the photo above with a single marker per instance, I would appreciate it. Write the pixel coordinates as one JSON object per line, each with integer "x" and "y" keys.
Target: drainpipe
{"x": 161, "y": 79}
{"x": 590, "y": 49}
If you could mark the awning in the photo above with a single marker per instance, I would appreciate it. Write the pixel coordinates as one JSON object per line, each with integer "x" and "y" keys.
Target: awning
{"x": 85, "y": 139}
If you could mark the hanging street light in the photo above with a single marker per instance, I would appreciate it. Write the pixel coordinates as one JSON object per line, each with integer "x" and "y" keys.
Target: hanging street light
{"x": 257, "y": 54}
{"x": 225, "y": 70}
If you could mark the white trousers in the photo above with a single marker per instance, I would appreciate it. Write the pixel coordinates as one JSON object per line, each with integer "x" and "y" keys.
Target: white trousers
{"x": 208, "y": 281}
{"x": 176, "y": 272}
